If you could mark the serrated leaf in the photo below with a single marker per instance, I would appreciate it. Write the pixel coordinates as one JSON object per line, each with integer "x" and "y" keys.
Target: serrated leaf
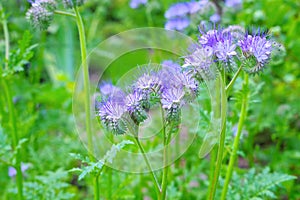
{"x": 111, "y": 154}
{"x": 257, "y": 186}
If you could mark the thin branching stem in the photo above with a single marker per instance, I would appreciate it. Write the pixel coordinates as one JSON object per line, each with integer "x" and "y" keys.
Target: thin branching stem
{"x": 153, "y": 176}
{"x": 87, "y": 105}
{"x": 68, "y": 14}
{"x": 231, "y": 83}
{"x": 223, "y": 107}
{"x": 233, "y": 156}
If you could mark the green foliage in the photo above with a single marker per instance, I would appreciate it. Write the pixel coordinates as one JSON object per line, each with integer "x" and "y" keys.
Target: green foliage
{"x": 256, "y": 186}
{"x": 95, "y": 168}
{"x": 50, "y": 186}
{"x": 7, "y": 154}
{"x": 21, "y": 55}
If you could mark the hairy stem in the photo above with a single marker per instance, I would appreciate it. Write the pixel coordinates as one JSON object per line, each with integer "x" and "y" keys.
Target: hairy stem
{"x": 59, "y": 12}
{"x": 233, "y": 156}
{"x": 87, "y": 102}
{"x": 166, "y": 168}
{"x": 223, "y": 107}
{"x": 230, "y": 85}
{"x": 153, "y": 176}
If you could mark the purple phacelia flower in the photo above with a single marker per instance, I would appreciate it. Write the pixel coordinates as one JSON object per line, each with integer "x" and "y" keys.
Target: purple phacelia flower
{"x": 172, "y": 100}
{"x": 225, "y": 48}
{"x": 177, "y": 10}
{"x": 171, "y": 64}
{"x": 109, "y": 91}
{"x": 236, "y": 4}
{"x": 257, "y": 47}
{"x": 210, "y": 38}
{"x": 134, "y": 4}
{"x": 200, "y": 58}
{"x": 178, "y": 24}
{"x": 41, "y": 13}
{"x": 148, "y": 83}
{"x": 134, "y": 104}
{"x": 187, "y": 82}
{"x": 195, "y": 6}
{"x": 12, "y": 171}
{"x": 215, "y": 18}
{"x": 112, "y": 114}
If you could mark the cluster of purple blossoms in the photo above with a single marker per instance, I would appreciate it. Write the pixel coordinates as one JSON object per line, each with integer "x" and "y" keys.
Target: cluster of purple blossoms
{"x": 178, "y": 15}
{"x": 41, "y": 13}
{"x": 134, "y": 4}
{"x": 169, "y": 87}
{"x": 257, "y": 47}
{"x": 226, "y": 46}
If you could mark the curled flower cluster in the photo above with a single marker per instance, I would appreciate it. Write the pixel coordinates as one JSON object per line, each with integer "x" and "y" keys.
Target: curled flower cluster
{"x": 257, "y": 47}
{"x": 171, "y": 87}
{"x": 226, "y": 46}
{"x": 41, "y": 13}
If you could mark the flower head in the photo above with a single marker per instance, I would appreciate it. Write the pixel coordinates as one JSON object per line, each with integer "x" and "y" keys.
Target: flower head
{"x": 178, "y": 24}
{"x": 109, "y": 91}
{"x": 225, "y": 48}
{"x": 148, "y": 83}
{"x": 112, "y": 114}
{"x": 178, "y": 10}
{"x": 172, "y": 100}
{"x": 215, "y": 18}
{"x": 137, "y": 3}
{"x": 235, "y": 4}
{"x": 134, "y": 104}
{"x": 171, "y": 64}
{"x": 256, "y": 47}
{"x": 41, "y": 13}
{"x": 12, "y": 171}
{"x": 39, "y": 17}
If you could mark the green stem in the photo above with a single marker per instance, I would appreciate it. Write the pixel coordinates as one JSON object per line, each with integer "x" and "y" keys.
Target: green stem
{"x": 12, "y": 119}
{"x": 233, "y": 156}
{"x": 6, "y": 37}
{"x": 213, "y": 158}
{"x": 230, "y": 85}
{"x": 153, "y": 176}
{"x": 59, "y": 12}
{"x": 166, "y": 166}
{"x": 220, "y": 151}
{"x": 11, "y": 112}
{"x": 87, "y": 102}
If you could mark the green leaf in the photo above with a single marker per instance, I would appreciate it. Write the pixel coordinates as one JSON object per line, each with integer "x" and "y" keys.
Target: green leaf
{"x": 256, "y": 186}
{"x": 96, "y": 167}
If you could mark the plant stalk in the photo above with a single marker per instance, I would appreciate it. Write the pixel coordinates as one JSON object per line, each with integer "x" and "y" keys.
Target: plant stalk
{"x": 153, "y": 176}
{"x": 87, "y": 102}
{"x": 11, "y": 112}
{"x": 59, "y": 12}
{"x": 6, "y": 38}
{"x": 231, "y": 83}
{"x": 233, "y": 156}
{"x": 223, "y": 106}
{"x": 12, "y": 119}
{"x": 166, "y": 166}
